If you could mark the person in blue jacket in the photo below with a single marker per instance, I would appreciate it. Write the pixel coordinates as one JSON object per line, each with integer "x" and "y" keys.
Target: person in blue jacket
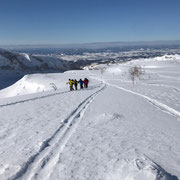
{"x": 81, "y": 82}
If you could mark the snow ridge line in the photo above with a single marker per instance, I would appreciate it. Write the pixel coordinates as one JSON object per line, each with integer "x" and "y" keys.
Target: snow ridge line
{"x": 46, "y": 96}
{"x": 153, "y": 101}
{"x": 42, "y": 163}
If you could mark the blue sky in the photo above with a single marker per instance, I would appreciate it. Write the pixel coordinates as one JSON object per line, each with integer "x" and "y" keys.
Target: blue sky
{"x": 81, "y": 21}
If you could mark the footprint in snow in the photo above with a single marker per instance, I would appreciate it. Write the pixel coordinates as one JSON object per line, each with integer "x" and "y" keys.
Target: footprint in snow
{"x": 138, "y": 169}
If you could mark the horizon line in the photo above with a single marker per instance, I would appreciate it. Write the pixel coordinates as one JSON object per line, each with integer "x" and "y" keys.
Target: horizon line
{"x": 88, "y": 43}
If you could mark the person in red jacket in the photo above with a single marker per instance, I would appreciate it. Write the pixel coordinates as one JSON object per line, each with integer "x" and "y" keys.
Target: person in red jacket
{"x": 85, "y": 83}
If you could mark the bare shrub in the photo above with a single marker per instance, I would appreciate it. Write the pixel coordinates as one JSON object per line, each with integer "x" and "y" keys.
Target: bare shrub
{"x": 102, "y": 72}
{"x": 53, "y": 86}
{"x": 135, "y": 72}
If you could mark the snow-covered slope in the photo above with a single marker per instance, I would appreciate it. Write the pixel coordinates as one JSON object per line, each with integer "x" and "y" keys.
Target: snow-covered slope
{"x": 35, "y": 83}
{"x": 22, "y": 62}
{"x": 114, "y": 130}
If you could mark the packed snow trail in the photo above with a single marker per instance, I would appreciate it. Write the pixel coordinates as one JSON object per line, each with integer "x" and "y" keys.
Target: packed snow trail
{"x": 153, "y": 101}
{"x": 160, "y": 105}
{"x": 41, "y": 165}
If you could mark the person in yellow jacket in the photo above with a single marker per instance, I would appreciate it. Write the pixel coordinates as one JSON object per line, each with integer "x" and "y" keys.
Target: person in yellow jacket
{"x": 71, "y": 82}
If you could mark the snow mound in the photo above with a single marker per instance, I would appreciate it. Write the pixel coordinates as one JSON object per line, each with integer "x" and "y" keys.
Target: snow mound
{"x": 139, "y": 169}
{"x": 33, "y": 84}
{"x": 26, "y": 85}
{"x": 116, "y": 70}
{"x": 168, "y": 57}
{"x": 151, "y": 67}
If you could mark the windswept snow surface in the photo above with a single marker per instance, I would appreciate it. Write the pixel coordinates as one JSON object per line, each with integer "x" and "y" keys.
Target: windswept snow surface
{"x": 114, "y": 130}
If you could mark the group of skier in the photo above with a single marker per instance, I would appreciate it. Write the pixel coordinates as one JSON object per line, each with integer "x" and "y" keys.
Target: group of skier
{"x": 73, "y": 84}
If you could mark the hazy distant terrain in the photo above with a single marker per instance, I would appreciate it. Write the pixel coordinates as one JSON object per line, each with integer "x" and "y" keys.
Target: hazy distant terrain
{"x": 16, "y": 61}
{"x": 98, "y": 45}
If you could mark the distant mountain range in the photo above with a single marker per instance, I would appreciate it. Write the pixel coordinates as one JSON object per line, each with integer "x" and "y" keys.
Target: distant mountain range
{"x": 26, "y": 63}
{"x": 96, "y": 45}
{"x": 53, "y": 60}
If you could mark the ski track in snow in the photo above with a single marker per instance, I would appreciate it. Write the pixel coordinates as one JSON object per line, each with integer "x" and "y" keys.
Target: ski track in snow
{"x": 147, "y": 84}
{"x": 42, "y": 97}
{"x": 156, "y": 103}
{"x": 40, "y": 165}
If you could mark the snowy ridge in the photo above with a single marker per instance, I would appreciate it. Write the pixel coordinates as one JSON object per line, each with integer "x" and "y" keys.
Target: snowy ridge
{"x": 27, "y": 85}
{"x": 26, "y": 63}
